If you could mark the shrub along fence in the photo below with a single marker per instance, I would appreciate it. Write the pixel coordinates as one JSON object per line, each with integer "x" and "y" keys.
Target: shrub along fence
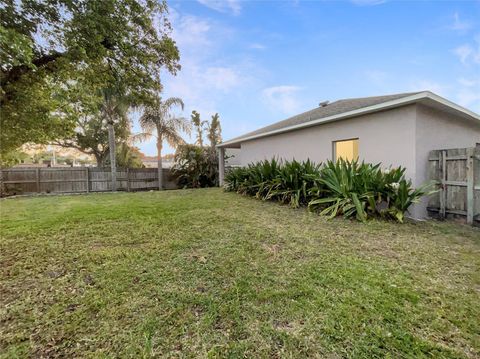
{"x": 81, "y": 180}
{"x": 457, "y": 171}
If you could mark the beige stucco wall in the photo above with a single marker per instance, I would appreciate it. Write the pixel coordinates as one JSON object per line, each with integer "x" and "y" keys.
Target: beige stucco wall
{"x": 398, "y": 137}
{"x": 232, "y": 157}
{"x": 439, "y": 130}
{"x": 387, "y": 137}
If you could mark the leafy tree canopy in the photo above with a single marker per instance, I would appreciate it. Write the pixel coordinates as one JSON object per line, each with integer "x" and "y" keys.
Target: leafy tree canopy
{"x": 127, "y": 156}
{"x": 57, "y": 54}
{"x": 91, "y": 136}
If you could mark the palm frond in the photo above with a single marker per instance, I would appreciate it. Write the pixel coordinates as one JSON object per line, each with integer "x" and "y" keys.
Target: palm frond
{"x": 171, "y": 102}
{"x": 141, "y": 137}
{"x": 173, "y": 138}
{"x": 167, "y": 125}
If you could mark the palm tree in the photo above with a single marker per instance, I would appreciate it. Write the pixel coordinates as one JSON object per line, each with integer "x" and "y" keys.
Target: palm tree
{"x": 114, "y": 108}
{"x": 167, "y": 126}
{"x": 198, "y": 123}
{"x": 214, "y": 131}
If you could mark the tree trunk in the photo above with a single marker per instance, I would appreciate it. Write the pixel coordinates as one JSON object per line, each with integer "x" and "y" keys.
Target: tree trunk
{"x": 111, "y": 144}
{"x": 160, "y": 168}
{"x": 98, "y": 159}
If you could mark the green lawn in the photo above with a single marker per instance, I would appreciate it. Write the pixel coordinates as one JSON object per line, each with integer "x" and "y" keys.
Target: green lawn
{"x": 202, "y": 273}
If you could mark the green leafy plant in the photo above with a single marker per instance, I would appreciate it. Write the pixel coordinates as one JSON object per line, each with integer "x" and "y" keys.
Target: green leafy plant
{"x": 347, "y": 189}
{"x": 351, "y": 189}
{"x": 293, "y": 181}
{"x": 274, "y": 180}
{"x": 402, "y": 195}
{"x": 195, "y": 166}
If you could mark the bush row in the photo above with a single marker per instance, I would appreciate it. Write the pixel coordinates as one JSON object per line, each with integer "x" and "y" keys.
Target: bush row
{"x": 348, "y": 188}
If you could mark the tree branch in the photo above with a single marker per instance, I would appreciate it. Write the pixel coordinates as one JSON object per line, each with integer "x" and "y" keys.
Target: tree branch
{"x": 16, "y": 72}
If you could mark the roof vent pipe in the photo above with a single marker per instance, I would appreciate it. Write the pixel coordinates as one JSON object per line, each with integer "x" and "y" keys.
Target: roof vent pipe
{"x": 324, "y": 103}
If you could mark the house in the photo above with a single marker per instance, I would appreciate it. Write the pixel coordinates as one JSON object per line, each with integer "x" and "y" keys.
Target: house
{"x": 395, "y": 130}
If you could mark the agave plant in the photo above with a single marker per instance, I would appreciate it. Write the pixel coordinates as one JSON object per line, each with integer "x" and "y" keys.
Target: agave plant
{"x": 347, "y": 190}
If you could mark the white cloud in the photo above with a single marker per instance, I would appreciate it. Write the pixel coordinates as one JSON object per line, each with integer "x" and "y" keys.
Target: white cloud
{"x": 191, "y": 31}
{"x": 224, "y": 6}
{"x": 222, "y": 78}
{"x": 202, "y": 87}
{"x": 199, "y": 41}
{"x": 468, "y": 53}
{"x": 283, "y": 98}
{"x": 460, "y": 25}
{"x": 208, "y": 77}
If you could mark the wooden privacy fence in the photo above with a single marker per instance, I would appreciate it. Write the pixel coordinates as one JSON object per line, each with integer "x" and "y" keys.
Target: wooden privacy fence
{"x": 457, "y": 171}
{"x": 81, "y": 179}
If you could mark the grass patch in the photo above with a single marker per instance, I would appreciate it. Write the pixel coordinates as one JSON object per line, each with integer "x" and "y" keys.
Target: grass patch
{"x": 202, "y": 273}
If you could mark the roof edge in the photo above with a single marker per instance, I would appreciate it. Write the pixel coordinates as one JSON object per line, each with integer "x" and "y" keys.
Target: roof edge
{"x": 365, "y": 110}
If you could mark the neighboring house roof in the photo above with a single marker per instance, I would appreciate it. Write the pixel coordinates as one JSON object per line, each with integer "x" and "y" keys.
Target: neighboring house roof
{"x": 348, "y": 108}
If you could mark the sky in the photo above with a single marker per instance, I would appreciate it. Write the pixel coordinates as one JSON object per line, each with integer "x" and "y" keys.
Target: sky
{"x": 258, "y": 62}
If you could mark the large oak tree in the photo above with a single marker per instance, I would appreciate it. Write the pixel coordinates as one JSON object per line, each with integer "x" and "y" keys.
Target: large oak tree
{"x": 57, "y": 54}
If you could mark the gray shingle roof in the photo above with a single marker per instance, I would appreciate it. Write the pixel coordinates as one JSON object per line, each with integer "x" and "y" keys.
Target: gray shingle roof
{"x": 334, "y": 108}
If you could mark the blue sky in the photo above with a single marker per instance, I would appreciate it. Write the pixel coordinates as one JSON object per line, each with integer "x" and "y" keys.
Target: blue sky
{"x": 258, "y": 62}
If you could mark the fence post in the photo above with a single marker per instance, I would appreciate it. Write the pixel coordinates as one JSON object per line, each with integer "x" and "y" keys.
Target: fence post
{"x": 128, "y": 179}
{"x": 38, "y": 179}
{"x": 221, "y": 166}
{"x": 470, "y": 185}
{"x": 442, "y": 161}
{"x": 87, "y": 174}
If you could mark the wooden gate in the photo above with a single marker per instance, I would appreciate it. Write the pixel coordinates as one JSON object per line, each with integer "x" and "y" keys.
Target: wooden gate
{"x": 457, "y": 172}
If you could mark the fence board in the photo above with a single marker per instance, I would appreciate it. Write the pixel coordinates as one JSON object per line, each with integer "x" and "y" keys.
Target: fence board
{"x": 81, "y": 179}
{"x": 457, "y": 171}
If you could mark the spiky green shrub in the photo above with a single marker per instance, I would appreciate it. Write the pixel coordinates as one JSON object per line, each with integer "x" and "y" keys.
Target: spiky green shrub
{"x": 234, "y": 178}
{"x": 261, "y": 176}
{"x": 352, "y": 189}
{"x": 287, "y": 182}
{"x": 348, "y": 189}
{"x": 363, "y": 190}
{"x": 292, "y": 183}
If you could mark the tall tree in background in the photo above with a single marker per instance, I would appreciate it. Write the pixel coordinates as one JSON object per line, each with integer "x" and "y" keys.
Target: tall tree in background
{"x": 91, "y": 136}
{"x": 99, "y": 131}
{"x": 113, "y": 110}
{"x": 197, "y": 165}
{"x": 159, "y": 119}
{"x": 56, "y": 53}
{"x": 198, "y": 124}
{"x": 214, "y": 133}
{"x": 128, "y": 156}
